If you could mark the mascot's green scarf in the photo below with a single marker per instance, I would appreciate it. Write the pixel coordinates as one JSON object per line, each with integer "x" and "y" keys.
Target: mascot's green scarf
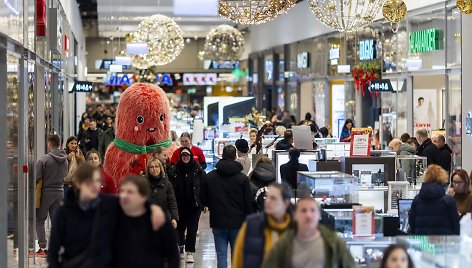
{"x": 140, "y": 149}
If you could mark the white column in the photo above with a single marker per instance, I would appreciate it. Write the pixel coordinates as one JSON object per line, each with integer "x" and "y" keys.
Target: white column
{"x": 466, "y": 90}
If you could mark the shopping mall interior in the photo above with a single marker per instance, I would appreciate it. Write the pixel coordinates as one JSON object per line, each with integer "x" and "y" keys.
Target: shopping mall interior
{"x": 235, "y": 133}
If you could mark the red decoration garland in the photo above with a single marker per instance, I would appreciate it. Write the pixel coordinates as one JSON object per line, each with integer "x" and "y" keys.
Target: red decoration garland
{"x": 362, "y": 78}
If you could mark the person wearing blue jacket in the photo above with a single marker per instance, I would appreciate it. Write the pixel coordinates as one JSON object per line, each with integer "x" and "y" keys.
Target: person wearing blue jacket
{"x": 346, "y": 132}
{"x": 432, "y": 211}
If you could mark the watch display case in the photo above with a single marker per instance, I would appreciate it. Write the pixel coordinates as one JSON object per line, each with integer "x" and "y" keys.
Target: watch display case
{"x": 328, "y": 187}
{"x": 410, "y": 168}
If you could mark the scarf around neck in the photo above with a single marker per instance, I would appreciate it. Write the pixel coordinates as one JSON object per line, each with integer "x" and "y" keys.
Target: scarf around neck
{"x": 139, "y": 149}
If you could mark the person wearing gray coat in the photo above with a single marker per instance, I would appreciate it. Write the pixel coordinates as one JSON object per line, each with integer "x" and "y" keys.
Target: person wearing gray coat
{"x": 404, "y": 149}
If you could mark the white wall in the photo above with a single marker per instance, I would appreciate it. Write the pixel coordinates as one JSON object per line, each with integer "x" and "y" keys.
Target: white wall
{"x": 71, "y": 9}
{"x": 466, "y": 93}
{"x": 299, "y": 24}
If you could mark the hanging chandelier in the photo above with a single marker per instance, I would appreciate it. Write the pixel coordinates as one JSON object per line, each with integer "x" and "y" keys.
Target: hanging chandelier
{"x": 164, "y": 40}
{"x": 346, "y": 15}
{"x": 224, "y": 43}
{"x": 253, "y": 11}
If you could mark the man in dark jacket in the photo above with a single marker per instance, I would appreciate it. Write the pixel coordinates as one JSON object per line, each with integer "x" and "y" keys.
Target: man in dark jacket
{"x": 106, "y": 139}
{"x": 92, "y": 136}
{"x": 227, "y": 194}
{"x": 51, "y": 170}
{"x": 445, "y": 152}
{"x": 427, "y": 148}
{"x": 136, "y": 243}
{"x": 288, "y": 171}
{"x": 287, "y": 142}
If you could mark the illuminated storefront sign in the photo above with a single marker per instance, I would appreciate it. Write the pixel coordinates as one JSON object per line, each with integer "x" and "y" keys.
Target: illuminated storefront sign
{"x": 303, "y": 60}
{"x": 426, "y": 40}
{"x": 166, "y": 79}
{"x": 368, "y": 49}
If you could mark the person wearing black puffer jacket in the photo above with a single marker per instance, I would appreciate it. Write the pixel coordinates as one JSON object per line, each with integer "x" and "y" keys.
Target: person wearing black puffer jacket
{"x": 187, "y": 177}
{"x": 432, "y": 211}
{"x": 288, "y": 171}
{"x": 261, "y": 177}
{"x": 162, "y": 192}
{"x": 227, "y": 194}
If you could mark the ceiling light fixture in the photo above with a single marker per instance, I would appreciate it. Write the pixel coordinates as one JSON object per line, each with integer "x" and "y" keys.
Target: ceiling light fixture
{"x": 346, "y": 15}
{"x": 253, "y": 11}
{"x": 163, "y": 38}
{"x": 224, "y": 43}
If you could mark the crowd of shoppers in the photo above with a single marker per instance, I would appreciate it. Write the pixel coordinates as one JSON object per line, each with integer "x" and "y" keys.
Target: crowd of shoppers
{"x": 136, "y": 228}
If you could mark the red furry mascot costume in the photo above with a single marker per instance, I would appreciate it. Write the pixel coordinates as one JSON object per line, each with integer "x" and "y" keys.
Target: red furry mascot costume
{"x": 142, "y": 124}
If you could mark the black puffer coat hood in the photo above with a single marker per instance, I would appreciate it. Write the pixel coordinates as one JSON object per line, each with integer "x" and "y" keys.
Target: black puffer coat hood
{"x": 264, "y": 172}
{"x": 226, "y": 167}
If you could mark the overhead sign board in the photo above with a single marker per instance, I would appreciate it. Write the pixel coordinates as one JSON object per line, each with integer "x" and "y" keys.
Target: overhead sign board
{"x": 224, "y": 65}
{"x": 82, "y": 86}
{"x": 368, "y": 49}
{"x": 426, "y": 40}
{"x": 105, "y": 64}
{"x": 380, "y": 85}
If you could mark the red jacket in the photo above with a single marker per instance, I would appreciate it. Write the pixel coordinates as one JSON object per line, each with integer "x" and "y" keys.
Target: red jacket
{"x": 109, "y": 185}
{"x": 197, "y": 155}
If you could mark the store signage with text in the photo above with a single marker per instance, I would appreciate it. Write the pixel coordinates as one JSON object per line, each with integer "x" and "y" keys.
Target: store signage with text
{"x": 82, "y": 86}
{"x": 105, "y": 64}
{"x": 380, "y": 85}
{"x": 208, "y": 79}
{"x": 426, "y": 40}
{"x": 224, "y": 65}
{"x": 125, "y": 79}
{"x": 303, "y": 60}
{"x": 361, "y": 141}
{"x": 368, "y": 49}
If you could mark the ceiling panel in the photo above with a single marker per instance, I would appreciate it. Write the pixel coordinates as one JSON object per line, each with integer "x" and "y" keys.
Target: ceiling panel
{"x": 116, "y": 18}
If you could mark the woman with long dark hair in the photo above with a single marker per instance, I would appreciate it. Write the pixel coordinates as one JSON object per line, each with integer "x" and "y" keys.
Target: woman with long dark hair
{"x": 187, "y": 177}
{"x": 75, "y": 157}
{"x": 261, "y": 231}
{"x": 346, "y": 132}
{"x": 109, "y": 186}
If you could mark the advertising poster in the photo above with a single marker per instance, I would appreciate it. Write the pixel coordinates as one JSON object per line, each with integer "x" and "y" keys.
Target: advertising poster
{"x": 425, "y": 107}
{"x": 337, "y": 109}
{"x": 361, "y": 140}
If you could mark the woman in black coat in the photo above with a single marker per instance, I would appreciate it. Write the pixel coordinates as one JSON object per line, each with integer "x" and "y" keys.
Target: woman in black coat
{"x": 288, "y": 171}
{"x": 187, "y": 177}
{"x": 432, "y": 211}
{"x": 162, "y": 192}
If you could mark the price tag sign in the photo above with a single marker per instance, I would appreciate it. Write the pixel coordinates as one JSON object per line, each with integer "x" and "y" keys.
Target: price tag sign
{"x": 82, "y": 86}
{"x": 380, "y": 85}
{"x": 361, "y": 139}
{"x": 363, "y": 224}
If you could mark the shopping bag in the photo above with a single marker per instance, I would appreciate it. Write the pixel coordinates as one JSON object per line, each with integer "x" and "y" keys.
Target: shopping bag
{"x": 466, "y": 225}
{"x": 39, "y": 188}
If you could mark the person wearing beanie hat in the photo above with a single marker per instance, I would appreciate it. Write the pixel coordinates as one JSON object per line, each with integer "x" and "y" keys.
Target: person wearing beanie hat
{"x": 242, "y": 148}
{"x": 187, "y": 177}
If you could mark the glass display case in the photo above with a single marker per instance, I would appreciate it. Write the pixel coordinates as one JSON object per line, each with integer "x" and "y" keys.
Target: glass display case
{"x": 410, "y": 168}
{"x": 328, "y": 187}
{"x": 343, "y": 222}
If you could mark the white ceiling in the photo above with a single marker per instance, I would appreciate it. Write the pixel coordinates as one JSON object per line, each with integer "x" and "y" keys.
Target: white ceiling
{"x": 116, "y": 18}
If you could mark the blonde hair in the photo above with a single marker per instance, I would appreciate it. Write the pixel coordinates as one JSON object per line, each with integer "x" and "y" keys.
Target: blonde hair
{"x": 161, "y": 167}
{"x": 280, "y": 130}
{"x": 435, "y": 174}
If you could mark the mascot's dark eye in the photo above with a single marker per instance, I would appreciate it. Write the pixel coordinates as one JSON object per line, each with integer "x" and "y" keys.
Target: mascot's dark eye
{"x": 162, "y": 117}
{"x": 140, "y": 119}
